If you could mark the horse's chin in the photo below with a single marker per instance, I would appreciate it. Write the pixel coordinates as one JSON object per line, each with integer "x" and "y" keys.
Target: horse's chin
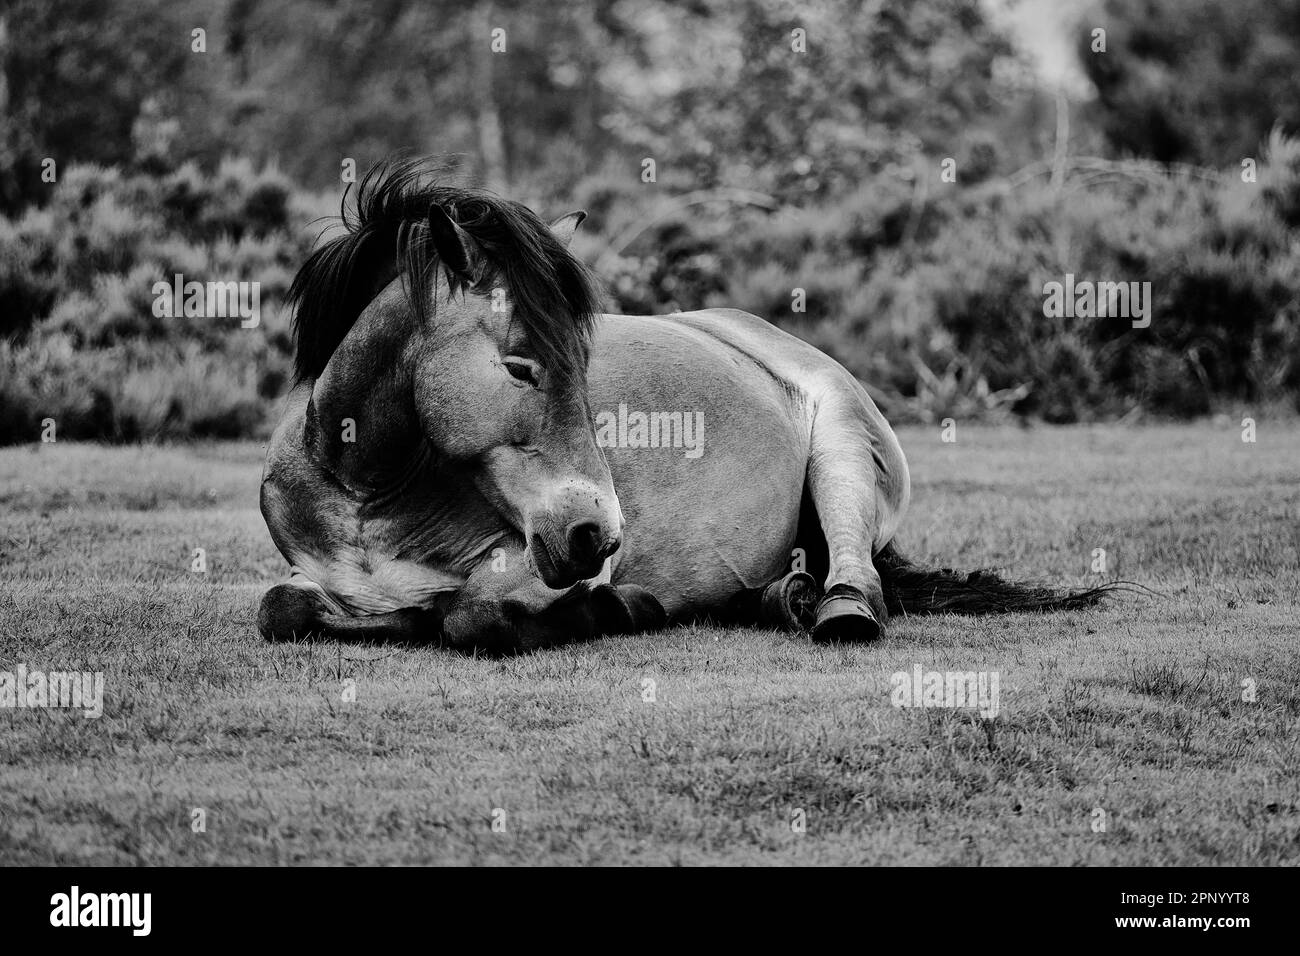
{"x": 546, "y": 569}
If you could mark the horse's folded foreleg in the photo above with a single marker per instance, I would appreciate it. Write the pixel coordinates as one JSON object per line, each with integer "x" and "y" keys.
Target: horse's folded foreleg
{"x": 296, "y": 611}
{"x": 499, "y": 609}
{"x": 625, "y": 609}
{"x": 502, "y": 609}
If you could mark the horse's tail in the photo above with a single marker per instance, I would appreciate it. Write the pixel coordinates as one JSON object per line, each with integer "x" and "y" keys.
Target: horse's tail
{"x": 913, "y": 589}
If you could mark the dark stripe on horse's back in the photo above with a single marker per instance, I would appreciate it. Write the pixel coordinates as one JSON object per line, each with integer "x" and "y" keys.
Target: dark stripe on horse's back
{"x": 791, "y": 390}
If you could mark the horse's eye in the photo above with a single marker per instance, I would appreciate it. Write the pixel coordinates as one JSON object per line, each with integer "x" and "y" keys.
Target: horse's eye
{"x": 524, "y": 370}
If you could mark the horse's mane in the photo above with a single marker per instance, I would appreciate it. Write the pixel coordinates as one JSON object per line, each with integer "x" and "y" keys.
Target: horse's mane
{"x": 552, "y": 293}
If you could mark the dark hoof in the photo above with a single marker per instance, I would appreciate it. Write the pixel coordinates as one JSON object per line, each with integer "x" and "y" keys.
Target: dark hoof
{"x": 289, "y": 613}
{"x": 844, "y": 615}
{"x": 790, "y": 604}
{"x": 626, "y": 609}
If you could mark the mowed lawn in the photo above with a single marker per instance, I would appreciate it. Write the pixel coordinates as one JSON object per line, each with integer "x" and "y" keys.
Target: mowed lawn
{"x": 1131, "y": 716}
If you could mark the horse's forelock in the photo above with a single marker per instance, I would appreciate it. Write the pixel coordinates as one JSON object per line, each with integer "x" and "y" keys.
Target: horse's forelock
{"x": 554, "y": 296}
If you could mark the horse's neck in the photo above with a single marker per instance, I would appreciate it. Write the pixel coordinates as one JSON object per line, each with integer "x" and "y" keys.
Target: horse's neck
{"x": 361, "y": 422}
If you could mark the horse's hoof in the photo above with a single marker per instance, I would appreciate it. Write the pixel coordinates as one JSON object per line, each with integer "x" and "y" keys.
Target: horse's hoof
{"x": 845, "y": 615}
{"x": 625, "y": 609}
{"x": 289, "y": 613}
{"x": 791, "y": 603}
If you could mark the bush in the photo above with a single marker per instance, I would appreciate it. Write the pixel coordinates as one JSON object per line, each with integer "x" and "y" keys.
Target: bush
{"x": 131, "y": 392}
{"x": 53, "y": 380}
{"x": 929, "y": 292}
{"x": 901, "y": 278}
{"x": 82, "y": 344}
{"x": 30, "y": 277}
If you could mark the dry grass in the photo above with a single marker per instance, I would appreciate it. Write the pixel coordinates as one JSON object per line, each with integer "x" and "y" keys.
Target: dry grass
{"x": 1136, "y": 708}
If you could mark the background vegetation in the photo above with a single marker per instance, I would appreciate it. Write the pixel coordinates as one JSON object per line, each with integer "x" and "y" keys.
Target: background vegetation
{"x": 776, "y": 171}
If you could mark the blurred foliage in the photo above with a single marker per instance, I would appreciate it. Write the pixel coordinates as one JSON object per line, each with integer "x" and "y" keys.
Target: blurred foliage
{"x": 82, "y": 343}
{"x": 714, "y": 90}
{"x": 1192, "y": 80}
{"x": 940, "y": 310}
{"x": 777, "y": 171}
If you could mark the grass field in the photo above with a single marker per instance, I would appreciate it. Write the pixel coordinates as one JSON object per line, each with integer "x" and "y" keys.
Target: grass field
{"x": 1132, "y": 715}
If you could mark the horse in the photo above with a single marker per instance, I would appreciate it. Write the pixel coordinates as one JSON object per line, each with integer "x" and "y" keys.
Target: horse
{"x": 473, "y": 453}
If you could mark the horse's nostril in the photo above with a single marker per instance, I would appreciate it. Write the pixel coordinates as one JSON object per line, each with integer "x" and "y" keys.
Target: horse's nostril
{"x": 611, "y": 546}
{"x": 584, "y": 542}
{"x": 587, "y": 544}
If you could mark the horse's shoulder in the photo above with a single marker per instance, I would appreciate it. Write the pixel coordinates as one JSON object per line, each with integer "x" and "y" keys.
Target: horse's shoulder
{"x": 285, "y": 451}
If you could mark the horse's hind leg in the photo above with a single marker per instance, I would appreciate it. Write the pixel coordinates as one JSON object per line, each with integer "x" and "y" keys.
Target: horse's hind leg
{"x": 787, "y": 604}
{"x": 857, "y": 480}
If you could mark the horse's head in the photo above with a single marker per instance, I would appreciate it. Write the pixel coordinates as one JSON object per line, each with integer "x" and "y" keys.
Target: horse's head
{"x": 500, "y": 379}
{"x": 495, "y": 331}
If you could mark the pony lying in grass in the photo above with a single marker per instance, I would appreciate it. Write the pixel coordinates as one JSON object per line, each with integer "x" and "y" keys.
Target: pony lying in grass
{"x": 473, "y": 453}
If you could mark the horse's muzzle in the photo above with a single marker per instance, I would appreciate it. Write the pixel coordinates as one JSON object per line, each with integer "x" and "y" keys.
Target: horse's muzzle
{"x": 581, "y": 555}
{"x": 589, "y": 545}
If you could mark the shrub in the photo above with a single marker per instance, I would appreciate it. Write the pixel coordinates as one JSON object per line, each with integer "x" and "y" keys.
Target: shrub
{"x": 929, "y": 292}
{"x": 51, "y": 379}
{"x": 30, "y": 277}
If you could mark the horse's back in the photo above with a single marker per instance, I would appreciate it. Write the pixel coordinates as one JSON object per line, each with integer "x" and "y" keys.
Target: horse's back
{"x": 778, "y": 364}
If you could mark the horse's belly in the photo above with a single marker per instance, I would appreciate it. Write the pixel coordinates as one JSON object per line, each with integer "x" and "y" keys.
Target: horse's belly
{"x": 694, "y": 551}
{"x": 712, "y": 508}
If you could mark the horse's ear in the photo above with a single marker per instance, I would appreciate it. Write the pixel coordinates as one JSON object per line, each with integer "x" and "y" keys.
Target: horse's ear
{"x": 567, "y": 225}
{"x": 456, "y": 248}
